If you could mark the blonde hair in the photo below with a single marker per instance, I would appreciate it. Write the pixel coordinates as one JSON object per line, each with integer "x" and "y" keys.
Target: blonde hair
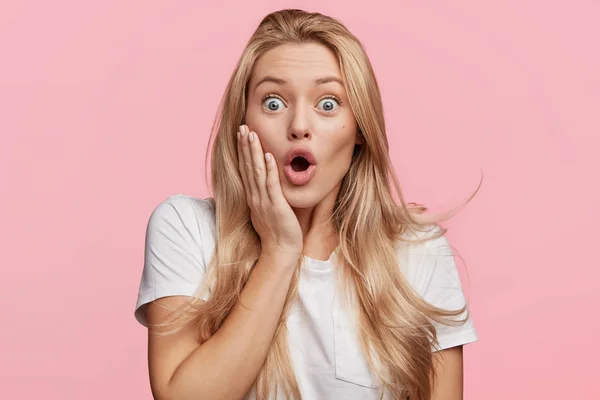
{"x": 395, "y": 324}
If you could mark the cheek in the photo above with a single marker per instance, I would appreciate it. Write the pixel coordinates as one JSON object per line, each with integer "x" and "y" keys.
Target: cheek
{"x": 347, "y": 135}
{"x": 252, "y": 116}
{"x": 266, "y": 128}
{"x": 340, "y": 150}
{"x": 347, "y": 126}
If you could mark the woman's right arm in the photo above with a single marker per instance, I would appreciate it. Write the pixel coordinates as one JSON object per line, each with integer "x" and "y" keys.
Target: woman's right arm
{"x": 227, "y": 364}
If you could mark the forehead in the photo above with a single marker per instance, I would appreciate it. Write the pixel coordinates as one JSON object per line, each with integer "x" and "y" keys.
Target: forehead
{"x": 297, "y": 63}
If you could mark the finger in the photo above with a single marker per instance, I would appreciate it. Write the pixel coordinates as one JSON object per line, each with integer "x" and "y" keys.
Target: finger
{"x": 241, "y": 162}
{"x": 248, "y": 165}
{"x": 272, "y": 183}
{"x": 258, "y": 165}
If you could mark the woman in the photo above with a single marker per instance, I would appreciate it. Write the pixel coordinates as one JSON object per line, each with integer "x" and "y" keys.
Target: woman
{"x": 301, "y": 277}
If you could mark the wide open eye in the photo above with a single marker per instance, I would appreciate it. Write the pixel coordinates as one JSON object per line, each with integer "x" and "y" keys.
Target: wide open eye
{"x": 328, "y": 104}
{"x": 273, "y": 104}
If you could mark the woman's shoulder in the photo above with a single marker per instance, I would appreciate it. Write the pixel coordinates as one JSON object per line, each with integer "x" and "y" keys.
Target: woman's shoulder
{"x": 186, "y": 208}
{"x": 179, "y": 243}
{"x": 426, "y": 253}
{"x": 184, "y": 215}
{"x": 186, "y": 203}
{"x": 423, "y": 238}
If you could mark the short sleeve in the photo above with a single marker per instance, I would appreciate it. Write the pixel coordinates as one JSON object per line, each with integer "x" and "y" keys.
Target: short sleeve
{"x": 433, "y": 274}
{"x": 174, "y": 253}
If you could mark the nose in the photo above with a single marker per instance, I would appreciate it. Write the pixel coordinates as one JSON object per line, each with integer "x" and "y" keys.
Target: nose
{"x": 299, "y": 127}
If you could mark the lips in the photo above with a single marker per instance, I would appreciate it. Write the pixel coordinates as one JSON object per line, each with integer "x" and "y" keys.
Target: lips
{"x": 299, "y": 172}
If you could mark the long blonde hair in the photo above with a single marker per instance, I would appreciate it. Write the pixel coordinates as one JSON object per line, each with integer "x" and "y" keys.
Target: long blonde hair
{"x": 395, "y": 324}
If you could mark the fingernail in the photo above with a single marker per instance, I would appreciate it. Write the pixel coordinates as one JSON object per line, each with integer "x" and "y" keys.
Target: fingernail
{"x": 251, "y": 136}
{"x": 238, "y": 135}
{"x": 267, "y": 157}
{"x": 242, "y": 130}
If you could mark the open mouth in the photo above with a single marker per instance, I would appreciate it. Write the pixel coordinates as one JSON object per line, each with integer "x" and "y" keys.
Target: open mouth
{"x": 299, "y": 164}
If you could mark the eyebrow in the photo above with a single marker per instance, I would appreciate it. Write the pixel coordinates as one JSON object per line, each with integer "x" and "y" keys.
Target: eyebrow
{"x": 280, "y": 81}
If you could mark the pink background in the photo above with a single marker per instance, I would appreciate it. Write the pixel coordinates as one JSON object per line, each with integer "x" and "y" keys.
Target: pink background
{"x": 105, "y": 109}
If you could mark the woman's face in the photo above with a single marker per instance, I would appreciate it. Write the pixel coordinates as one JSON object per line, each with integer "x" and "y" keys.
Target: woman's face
{"x": 296, "y": 100}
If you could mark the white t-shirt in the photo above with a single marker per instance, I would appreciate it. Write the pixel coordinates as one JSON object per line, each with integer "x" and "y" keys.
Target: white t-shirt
{"x": 325, "y": 354}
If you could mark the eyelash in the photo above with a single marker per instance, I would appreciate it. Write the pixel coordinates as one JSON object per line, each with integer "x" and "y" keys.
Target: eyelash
{"x": 269, "y": 96}
{"x": 329, "y": 96}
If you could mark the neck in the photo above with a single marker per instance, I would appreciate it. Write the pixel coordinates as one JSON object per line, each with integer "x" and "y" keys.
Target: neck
{"x": 317, "y": 228}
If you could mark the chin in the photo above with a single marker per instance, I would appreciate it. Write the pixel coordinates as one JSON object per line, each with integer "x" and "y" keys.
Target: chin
{"x": 301, "y": 196}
